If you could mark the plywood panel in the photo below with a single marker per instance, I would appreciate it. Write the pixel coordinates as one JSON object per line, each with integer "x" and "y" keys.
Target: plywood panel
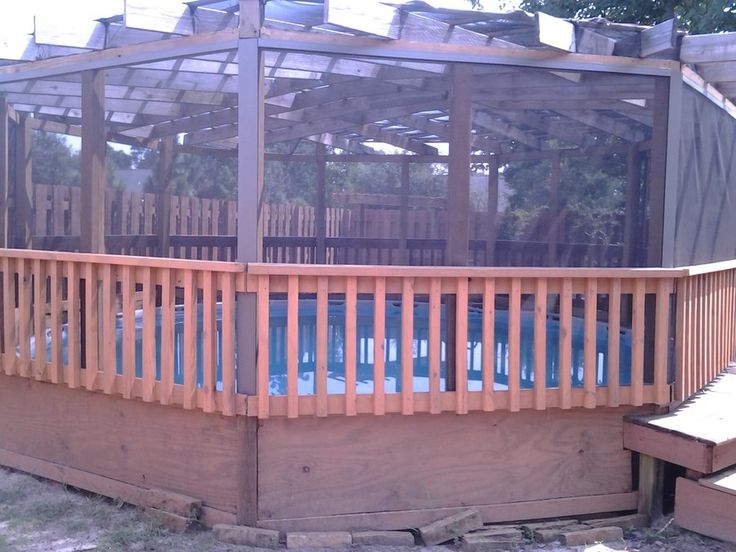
{"x": 705, "y": 511}
{"x": 311, "y": 467}
{"x": 147, "y": 445}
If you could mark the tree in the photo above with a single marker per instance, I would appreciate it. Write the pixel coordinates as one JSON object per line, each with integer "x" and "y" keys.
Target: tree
{"x": 696, "y": 16}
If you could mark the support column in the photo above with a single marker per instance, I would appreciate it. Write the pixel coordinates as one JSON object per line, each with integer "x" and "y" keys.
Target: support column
{"x": 553, "y": 237}
{"x": 163, "y": 194}
{"x": 23, "y": 189}
{"x": 631, "y": 222}
{"x": 320, "y": 214}
{"x": 492, "y": 210}
{"x": 657, "y": 172}
{"x": 651, "y": 485}
{"x": 93, "y": 171}
{"x": 4, "y": 170}
{"x": 404, "y": 212}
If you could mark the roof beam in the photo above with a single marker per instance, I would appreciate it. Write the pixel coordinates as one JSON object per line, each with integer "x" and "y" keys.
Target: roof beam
{"x": 367, "y": 16}
{"x": 499, "y": 127}
{"x": 345, "y": 144}
{"x": 708, "y": 48}
{"x": 380, "y": 134}
{"x": 659, "y": 39}
{"x": 605, "y": 124}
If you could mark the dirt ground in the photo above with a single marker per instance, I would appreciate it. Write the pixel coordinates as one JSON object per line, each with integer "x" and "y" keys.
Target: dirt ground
{"x": 42, "y": 516}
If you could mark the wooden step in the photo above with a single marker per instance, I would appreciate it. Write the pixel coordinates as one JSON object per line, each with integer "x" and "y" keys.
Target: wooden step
{"x": 708, "y": 506}
{"x": 700, "y": 434}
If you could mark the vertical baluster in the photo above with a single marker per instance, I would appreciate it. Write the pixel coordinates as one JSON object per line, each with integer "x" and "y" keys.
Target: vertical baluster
{"x": 320, "y": 371}
{"x": 461, "y": 347}
{"x": 9, "y": 362}
{"x": 540, "y": 344}
{"x": 407, "y": 346}
{"x": 637, "y": 348}
{"x": 227, "y": 285}
{"x": 292, "y": 346}
{"x": 39, "y": 321}
{"x": 72, "y": 326}
{"x": 57, "y": 363}
{"x": 168, "y": 314}
{"x": 565, "y": 375}
{"x": 148, "y": 356}
{"x": 660, "y": 342}
{"x": 514, "y": 380}
{"x": 91, "y": 327}
{"x": 209, "y": 338}
{"x": 614, "y": 342}
{"x": 351, "y": 339}
{"x": 434, "y": 345}
{"x": 262, "y": 379}
{"x": 128, "y": 285}
{"x": 190, "y": 339}
{"x": 589, "y": 344}
{"x": 379, "y": 346}
{"x": 489, "y": 343}
{"x": 109, "y": 315}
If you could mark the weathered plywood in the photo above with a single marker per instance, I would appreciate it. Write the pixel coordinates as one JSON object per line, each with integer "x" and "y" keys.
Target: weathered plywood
{"x": 146, "y": 445}
{"x": 315, "y": 467}
{"x": 705, "y": 511}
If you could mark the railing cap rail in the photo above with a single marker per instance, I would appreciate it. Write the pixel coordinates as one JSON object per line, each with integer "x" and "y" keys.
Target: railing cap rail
{"x": 707, "y": 268}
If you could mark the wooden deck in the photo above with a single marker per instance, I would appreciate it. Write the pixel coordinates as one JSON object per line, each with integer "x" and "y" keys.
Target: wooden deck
{"x": 700, "y": 434}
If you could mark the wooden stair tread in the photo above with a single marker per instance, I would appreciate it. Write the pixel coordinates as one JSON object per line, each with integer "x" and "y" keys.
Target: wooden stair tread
{"x": 723, "y": 481}
{"x": 699, "y": 434}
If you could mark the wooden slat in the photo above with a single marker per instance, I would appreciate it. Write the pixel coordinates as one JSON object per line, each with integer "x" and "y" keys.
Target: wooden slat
{"x": 57, "y": 365}
{"x": 148, "y": 359}
{"x": 292, "y": 346}
{"x": 351, "y": 338}
{"x": 74, "y": 376}
{"x": 590, "y": 356}
{"x": 189, "y": 358}
{"x": 209, "y": 338}
{"x": 637, "y": 347}
{"x": 489, "y": 343}
{"x": 90, "y": 337}
{"x": 379, "y": 346}
{"x": 9, "y": 361}
{"x": 565, "y": 375}
{"x": 514, "y": 381}
{"x": 227, "y": 285}
{"x": 461, "y": 347}
{"x": 39, "y": 323}
{"x": 168, "y": 299}
{"x": 540, "y": 344}
{"x": 24, "y": 311}
{"x": 614, "y": 342}
{"x": 262, "y": 377}
{"x": 407, "y": 346}
{"x": 434, "y": 344}
{"x": 109, "y": 309}
{"x": 321, "y": 345}
{"x": 661, "y": 341}
{"x": 128, "y": 284}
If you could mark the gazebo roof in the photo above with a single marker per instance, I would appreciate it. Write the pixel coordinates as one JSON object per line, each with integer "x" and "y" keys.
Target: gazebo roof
{"x": 172, "y": 68}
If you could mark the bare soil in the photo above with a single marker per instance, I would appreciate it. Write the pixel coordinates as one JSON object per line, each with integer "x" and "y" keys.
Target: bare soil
{"x": 41, "y": 516}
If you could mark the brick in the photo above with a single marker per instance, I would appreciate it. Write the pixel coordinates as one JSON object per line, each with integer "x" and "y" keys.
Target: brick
{"x": 248, "y": 536}
{"x": 592, "y": 536}
{"x": 385, "y": 538}
{"x": 555, "y": 534}
{"x": 319, "y": 539}
{"x": 633, "y": 521}
{"x": 472, "y": 543}
{"x": 453, "y": 526}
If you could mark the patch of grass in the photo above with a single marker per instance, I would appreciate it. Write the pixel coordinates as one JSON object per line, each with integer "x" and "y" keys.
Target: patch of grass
{"x": 51, "y": 509}
{"x": 142, "y": 536}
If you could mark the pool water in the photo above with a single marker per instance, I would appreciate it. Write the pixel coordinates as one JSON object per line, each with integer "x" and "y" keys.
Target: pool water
{"x": 365, "y": 348}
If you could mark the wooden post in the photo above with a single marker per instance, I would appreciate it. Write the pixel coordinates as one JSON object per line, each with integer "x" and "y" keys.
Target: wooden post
{"x": 163, "y": 194}
{"x": 404, "y": 211}
{"x": 554, "y": 208}
{"x": 320, "y": 215}
{"x": 23, "y": 189}
{"x": 631, "y": 222}
{"x": 492, "y": 210}
{"x": 657, "y": 171}
{"x": 651, "y": 484}
{"x": 4, "y": 170}
{"x": 93, "y": 172}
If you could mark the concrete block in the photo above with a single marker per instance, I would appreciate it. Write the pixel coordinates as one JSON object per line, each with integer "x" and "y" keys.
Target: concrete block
{"x": 592, "y": 536}
{"x": 451, "y": 527}
{"x": 508, "y": 531}
{"x": 318, "y": 539}
{"x": 632, "y": 521}
{"x": 500, "y": 540}
{"x": 385, "y": 538}
{"x": 248, "y": 536}
{"x": 555, "y": 534}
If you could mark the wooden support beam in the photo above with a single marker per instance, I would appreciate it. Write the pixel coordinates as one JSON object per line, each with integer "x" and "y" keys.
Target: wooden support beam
{"x": 321, "y": 206}
{"x": 404, "y": 212}
{"x": 659, "y": 39}
{"x": 251, "y": 18}
{"x": 23, "y": 186}
{"x": 492, "y": 210}
{"x": 4, "y": 169}
{"x": 166, "y": 155}
{"x": 93, "y": 171}
{"x": 708, "y": 48}
{"x": 651, "y": 484}
{"x": 553, "y": 237}
{"x": 633, "y": 187}
{"x": 657, "y": 171}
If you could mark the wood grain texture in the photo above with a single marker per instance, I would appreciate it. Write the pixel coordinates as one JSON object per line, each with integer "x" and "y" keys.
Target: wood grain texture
{"x": 363, "y": 464}
{"x": 137, "y": 443}
{"x": 705, "y": 510}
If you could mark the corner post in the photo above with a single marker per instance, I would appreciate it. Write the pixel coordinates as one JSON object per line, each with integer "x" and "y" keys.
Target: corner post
{"x": 93, "y": 170}
{"x": 4, "y": 170}
{"x": 404, "y": 212}
{"x": 163, "y": 194}
{"x": 320, "y": 216}
{"x": 23, "y": 189}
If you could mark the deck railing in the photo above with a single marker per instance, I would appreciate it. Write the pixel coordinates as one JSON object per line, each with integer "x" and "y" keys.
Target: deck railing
{"x": 510, "y": 375}
{"x": 160, "y": 330}
{"x": 347, "y": 340}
